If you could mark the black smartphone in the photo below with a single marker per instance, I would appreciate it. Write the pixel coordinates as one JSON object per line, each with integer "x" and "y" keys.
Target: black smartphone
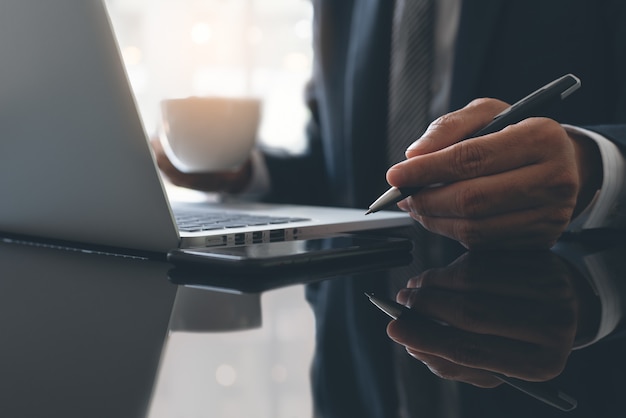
{"x": 262, "y": 267}
{"x": 327, "y": 251}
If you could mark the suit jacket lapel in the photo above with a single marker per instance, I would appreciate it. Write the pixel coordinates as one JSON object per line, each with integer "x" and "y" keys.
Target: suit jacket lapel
{"x": 477, "y": 26}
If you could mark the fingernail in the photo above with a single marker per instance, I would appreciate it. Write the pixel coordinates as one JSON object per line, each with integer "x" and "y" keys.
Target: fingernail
{"x": 414, "y": 145}
{"x": 419, "y": 141}
{"x": 404, "y": 205}
{"x": 396, "y": 175}
{"x": 414, "y": 282}
{"x": 402, "y": 296}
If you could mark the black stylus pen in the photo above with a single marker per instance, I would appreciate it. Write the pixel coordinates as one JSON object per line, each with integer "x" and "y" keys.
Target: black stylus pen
{"x": 542, "y": 391}
{"x": 535, "y": 104}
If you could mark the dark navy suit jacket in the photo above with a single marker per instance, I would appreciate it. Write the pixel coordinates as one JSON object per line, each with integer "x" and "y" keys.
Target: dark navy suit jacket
{"x": 505, "y": 49}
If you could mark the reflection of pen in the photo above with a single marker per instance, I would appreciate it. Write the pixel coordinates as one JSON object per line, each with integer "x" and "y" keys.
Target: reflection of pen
{"x": 542, "y": 391}
{"x": 532, "y": 105}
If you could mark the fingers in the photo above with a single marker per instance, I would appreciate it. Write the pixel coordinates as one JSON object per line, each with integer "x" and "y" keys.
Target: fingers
{"x": 451, "y": 371}
{"x": 486, "y": 352}
{"x": 453, "y": 127}
{"x": 531, "y": 229}
{"x": 517, "y": 315}
{"x": 529, "y": 275}
{"x": 517, "y": 187}
{"x": 550, "y": 323}
{"x": 529, "y": 142}
{"x": 227, "y": 181}
{"x": 477, "y": 351}
{"x": 525, "y": 188}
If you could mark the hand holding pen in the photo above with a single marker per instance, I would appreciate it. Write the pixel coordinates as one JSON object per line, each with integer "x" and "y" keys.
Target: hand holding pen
{"x": 501, "y": 176}
{"x": 488, "y": 319}
{"x": 541, "y": 391}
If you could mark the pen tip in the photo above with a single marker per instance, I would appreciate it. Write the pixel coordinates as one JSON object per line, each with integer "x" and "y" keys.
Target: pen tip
{"x": 390, "y": 308}
{"x": 368, "y": 212}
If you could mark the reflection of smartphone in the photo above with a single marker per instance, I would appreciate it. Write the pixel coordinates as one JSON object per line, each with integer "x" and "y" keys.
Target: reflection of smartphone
{"x": 260, "y": 267}
{"x": 291, "y": 254}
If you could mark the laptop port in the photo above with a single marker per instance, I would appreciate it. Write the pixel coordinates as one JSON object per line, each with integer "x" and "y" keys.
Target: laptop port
{"x": 215, "y": 241}
{"x": 240, "y": 239}
{"x": 257, "y": 237}
{"x": 277, "y": 235}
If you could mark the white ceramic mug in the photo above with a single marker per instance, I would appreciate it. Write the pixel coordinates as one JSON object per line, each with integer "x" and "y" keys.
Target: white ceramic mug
{"x": 209, "y": 134}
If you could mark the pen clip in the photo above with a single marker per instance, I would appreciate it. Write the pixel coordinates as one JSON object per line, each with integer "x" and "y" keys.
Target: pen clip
{"x": 573, "y": 88}
{"x": 571, "y": 84}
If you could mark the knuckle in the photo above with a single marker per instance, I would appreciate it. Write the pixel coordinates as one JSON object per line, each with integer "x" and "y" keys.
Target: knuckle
{"x": 556, "y": 220}
{"x": 444, "y": 371}
{"x": 468, "y": 316}
{"x": 564, "y": 183}
{"x": 460, "y": 278}
{"x": 470, "y": 202}
{"x": 544, "y": 129}
{"x": 466, "y": 233}
{"x": 466, "y": 352}
{"x": 414, "y": 282}
{"x": 438, "y": 366}
{"x": 481, "y": 101}
{"x": 545, "y": 241}
{"x": 467, "y": 159}
{"x": 412, "y": 299}
{"x": 552, "y": 129}
{"x": 546, "y": 136}
{"x": 562, "y": 216}
{"x": 426, "y": 278}
{"x": 446, "y": 123}
{"x": 418, "y": 205}
{"x": 427, "y": 222}
{"x": 491, "y": 106}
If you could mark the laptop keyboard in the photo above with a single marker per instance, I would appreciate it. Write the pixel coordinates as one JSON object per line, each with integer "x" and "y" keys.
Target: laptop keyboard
{"x": 202, "y": 221}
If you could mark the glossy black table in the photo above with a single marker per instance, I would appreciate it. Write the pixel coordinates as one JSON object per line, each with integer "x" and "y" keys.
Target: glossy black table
{"x": 95, "y": 335}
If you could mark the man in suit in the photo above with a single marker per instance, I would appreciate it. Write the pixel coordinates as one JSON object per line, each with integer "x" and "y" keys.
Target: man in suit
{"x": 529, "y": 183}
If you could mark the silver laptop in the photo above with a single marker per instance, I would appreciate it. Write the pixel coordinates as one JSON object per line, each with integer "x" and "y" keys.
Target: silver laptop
{"x": 76, "y": 164}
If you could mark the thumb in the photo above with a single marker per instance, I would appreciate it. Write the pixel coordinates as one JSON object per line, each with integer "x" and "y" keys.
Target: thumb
{"x": 456, "y": 126}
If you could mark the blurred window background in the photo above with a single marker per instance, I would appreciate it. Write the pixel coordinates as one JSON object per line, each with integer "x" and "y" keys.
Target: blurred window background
{"x": 232, "y": 48}
{"x": 229, "y": 48}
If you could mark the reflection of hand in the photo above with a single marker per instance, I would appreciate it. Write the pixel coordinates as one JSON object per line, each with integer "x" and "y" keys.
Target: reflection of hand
{"x": 517, "y": 188}
{"x": 515, "y": 314}
{"x": 229, "y": 181}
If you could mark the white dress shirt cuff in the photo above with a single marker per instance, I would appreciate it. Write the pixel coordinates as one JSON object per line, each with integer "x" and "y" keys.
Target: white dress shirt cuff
{"x": 604, "y": 210}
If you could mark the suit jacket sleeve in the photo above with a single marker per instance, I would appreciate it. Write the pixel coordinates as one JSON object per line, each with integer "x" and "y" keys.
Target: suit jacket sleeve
{"x": 300, "y": 179}
{"x": 609, "y": 211}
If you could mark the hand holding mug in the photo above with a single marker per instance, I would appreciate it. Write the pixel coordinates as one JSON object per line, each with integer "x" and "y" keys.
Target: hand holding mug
{"x": 205, "y": 143}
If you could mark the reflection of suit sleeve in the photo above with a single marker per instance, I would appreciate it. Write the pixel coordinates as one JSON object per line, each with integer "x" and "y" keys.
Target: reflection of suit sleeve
{"x": 615, "y": 216}
{"x": 605, "y": 271}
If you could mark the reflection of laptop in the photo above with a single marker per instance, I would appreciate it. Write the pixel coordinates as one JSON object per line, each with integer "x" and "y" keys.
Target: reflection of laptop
{"x": 76, "y": 165}
{"x": 83, "y": 334}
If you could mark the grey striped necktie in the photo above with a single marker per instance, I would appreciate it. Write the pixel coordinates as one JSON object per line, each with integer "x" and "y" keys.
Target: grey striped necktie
{"x": 412, "y": 57}
{"x": 409, "y": 102}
